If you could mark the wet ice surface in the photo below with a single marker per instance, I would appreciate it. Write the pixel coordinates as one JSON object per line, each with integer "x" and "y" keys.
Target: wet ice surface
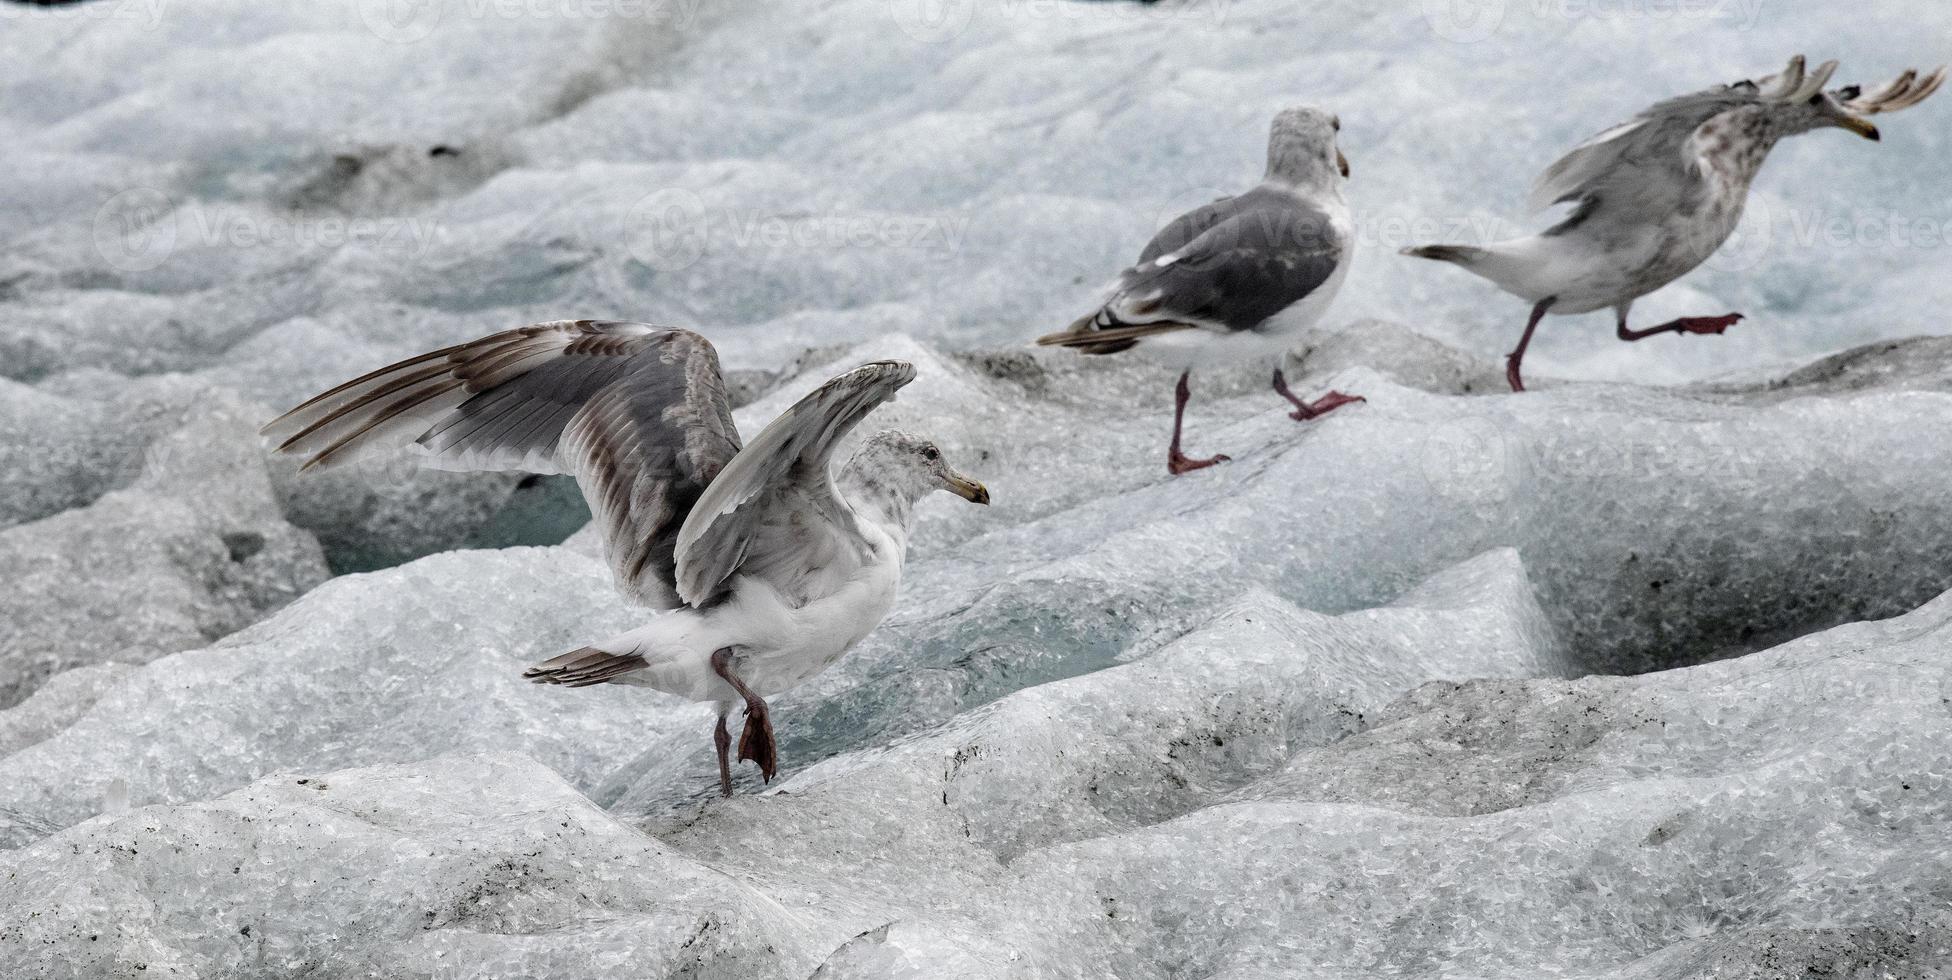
{"x": 1323, "y": 711}
{"x": 1232, "y": 804}
{"x": 1310, "y": 711}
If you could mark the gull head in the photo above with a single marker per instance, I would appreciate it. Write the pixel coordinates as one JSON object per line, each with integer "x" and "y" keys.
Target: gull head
{"x": 1795, "y": 100}
{"x": 902, "y": 468}
{"x": 1302, "y": 150}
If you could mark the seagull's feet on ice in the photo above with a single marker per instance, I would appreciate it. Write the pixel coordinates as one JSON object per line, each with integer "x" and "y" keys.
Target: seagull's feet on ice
{"x": 1511, "y": 372}
{"x": 1315, "y": 409}
{"x": 1178, "y": 462}
{"x": 756, "y": 744}
{"x": 1686, "y": 324}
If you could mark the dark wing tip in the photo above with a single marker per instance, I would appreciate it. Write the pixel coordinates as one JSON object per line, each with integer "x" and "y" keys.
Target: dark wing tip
{"x": 889, "y": 373}
{"x": 583, "y": 667}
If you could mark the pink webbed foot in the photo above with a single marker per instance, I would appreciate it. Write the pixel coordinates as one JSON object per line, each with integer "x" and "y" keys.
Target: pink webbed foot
{"x": 1308, "y": 410}
{"x": 756, "y": 743}
{"x": 1707, "y": 324}
{"x": 1686, "y": 324}
{"x": 1322, "y": 406}
{"x": 1178, "y": 462}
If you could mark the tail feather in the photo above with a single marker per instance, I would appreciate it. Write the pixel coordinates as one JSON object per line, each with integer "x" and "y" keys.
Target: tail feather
{"x": 1464, "y": 255}
{"x": 583, "y": 667}
{"x": 1101, "y": 333}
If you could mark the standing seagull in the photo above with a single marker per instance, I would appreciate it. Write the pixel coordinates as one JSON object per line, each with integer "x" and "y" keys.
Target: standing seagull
{"x": 1654, "y": 197}
{"x": 1238, "y": 278}
{"x": 768, "y": 567}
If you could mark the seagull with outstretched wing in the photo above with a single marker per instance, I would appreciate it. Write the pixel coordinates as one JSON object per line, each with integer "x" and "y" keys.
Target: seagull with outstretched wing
{"x": 1656, "y": 196}
{"x": 1238, "y": 279}
{"x": 767, "y": 566}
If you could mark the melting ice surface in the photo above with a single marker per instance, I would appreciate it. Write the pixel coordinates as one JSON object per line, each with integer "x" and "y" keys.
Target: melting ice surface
{"x": 1583, "y": 683}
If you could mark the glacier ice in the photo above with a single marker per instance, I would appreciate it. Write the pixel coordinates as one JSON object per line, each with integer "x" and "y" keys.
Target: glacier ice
{"x": 1107, "y": 710}
{"x": 1161, "y": 817}
{"x": 192, "y": 549}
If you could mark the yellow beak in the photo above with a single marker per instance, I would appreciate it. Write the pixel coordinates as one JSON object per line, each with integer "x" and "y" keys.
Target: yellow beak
{"x": 968, "y": 489}
{"x": 1861, "y": 127}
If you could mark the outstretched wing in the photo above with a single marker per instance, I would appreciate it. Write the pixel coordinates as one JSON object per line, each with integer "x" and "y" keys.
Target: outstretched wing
{"x": 636, "y": 412}
{"x": 773, "y": 513}
{"x": 1655, "y": 144}
{"x": 1231, "y": 264}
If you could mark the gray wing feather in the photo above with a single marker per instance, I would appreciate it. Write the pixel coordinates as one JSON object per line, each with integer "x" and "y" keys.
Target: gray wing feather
{"x": 773, "y": 511}
{"x": 636, "y": 412}
{"x": 1231, "y": 264}
{"x": 1646, "y": 151}
{"x": 644, "y": 449}
{"x": 1182, "y": 230}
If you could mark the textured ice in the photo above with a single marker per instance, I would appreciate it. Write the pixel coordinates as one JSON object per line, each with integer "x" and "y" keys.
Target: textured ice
{"x": 1142, "y": 700}
{"x": 191, "y": 550}
{"x": 1194, "y": 812}
{"x": 968, "y": 172}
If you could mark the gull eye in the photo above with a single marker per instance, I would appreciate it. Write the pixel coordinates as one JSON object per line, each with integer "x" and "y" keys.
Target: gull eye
{"x": 1816, "y": 99}
{"x": 931, "y": 453}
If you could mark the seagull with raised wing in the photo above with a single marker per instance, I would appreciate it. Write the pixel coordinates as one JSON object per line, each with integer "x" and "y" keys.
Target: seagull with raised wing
{"x": 1238, "y": 279}
{"x": 1656, "y": 196}
{"x": 766, "y": 566}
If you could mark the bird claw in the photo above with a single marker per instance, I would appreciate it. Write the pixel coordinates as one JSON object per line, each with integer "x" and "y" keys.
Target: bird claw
{"x": 1323, "y": 405}
{"x": 1709, "y": 324}
{"x": 1179, "y": 463}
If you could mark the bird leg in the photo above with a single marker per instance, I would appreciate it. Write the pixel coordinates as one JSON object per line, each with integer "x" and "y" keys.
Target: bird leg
{"x": 1686, "y": 324}
{"x": 1315, "y": 409}
{"x": 722, "y": 741}
{"x": 756, "y": 743}
{"x": 1176, "y": 461}
{"x": 1517, "y": 354}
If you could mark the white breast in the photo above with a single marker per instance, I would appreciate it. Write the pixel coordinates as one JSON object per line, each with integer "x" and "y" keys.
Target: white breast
{"x": 782, "y": 646}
